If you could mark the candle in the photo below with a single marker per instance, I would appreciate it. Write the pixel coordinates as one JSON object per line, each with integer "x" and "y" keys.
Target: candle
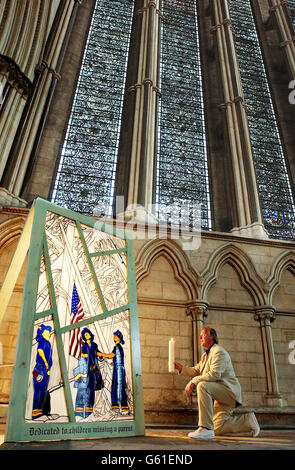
{"x": 171, "y": 355}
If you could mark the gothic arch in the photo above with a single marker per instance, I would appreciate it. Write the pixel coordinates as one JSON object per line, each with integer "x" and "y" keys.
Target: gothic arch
{"x": 182, "y": 268}
{"x": 285, "y": 260}
{"x": 244, "y": 266}
{"x": 10, "y": 231}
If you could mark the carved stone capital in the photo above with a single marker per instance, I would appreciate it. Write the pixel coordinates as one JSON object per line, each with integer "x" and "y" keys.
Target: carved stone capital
{"x": 197, "y": 309}
{"x": 152, "y": 4}
{"x": 265, "y": 313}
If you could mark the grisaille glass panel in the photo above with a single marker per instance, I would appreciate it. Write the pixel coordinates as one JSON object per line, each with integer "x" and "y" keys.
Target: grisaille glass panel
{"x": 182, "y": 173}
{"x": 70, "y": 267}
{"x": 291, "y": 5}
{"x": 87, "y": 167}
{"x": 276, "y": 199}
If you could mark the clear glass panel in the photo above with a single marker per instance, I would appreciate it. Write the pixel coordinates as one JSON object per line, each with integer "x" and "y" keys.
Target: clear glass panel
{"x": 87, "y": 167}
{"x": 272, "y": 177}
{"x": 182, "y": 173}
{"x": 111, "y": 272}
{"x": 98, "y": 241}
{"x": 70, "y": 269}
{"x": 43, "y": 298}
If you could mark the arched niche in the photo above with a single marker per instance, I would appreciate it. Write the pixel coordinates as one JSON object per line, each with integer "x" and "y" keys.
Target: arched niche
{"x": 10, "y": 231}
{"x": 166, "y": 283}
{"x": 282, "y": 297}
{"x": 233, "y": 289}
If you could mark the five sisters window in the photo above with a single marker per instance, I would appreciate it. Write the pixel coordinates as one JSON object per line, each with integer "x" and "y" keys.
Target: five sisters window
{"x": 88, "y": 161}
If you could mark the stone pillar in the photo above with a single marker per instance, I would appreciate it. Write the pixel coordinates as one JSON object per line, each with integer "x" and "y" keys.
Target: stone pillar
{"x": 265, "y": 315}
{"x": 46, "y": 77}
{"x": 246, "y": 207}
{"x": 142, "y": 160}
{"x": 278, "y": 8}
{"x": 197, "y": 309}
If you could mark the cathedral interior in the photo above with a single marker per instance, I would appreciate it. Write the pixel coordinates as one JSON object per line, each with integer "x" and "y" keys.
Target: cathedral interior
{"x": 180, "y": 115}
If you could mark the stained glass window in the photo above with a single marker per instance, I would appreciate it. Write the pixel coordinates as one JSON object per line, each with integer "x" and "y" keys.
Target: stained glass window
{"x": 272, "y": 177}
{"x": 87, "y": 167}
{"x": 182, "y": 173}
{"x": 291, "y": 4}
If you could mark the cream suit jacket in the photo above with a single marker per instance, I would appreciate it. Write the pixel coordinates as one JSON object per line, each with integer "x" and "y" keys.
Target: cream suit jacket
{"x": 216, "y": 367}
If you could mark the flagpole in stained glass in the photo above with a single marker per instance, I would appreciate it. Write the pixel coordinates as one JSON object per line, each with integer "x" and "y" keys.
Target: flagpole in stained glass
{"x": 77, "y": 313}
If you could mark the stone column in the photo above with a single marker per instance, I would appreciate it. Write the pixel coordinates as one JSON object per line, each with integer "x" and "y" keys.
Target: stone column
{"x": 265, "y": 315}
{"x": 246, "y": 206}
{"x": 278, "y": 8}
{"x": 142, "y": 161}
{"x": 46, "y": 78}
{"x": 197, "y": 309}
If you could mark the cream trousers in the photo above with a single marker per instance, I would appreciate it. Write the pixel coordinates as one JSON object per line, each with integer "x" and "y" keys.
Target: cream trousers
{"x": 219, "y": 416}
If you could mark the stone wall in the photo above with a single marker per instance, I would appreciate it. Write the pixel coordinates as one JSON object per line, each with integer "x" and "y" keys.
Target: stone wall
{"x": 10, "y": 323}
{"x": 243, "y": 275}
{"x": 236, "y": 279}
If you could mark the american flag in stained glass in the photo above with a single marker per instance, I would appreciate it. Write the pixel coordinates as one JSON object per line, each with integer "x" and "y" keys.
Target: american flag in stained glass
{"x": 77, "y": 313}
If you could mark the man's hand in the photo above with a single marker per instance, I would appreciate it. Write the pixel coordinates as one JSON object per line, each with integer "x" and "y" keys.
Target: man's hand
{"x": 178, "y": 366}
{"x": 189, "y": 388}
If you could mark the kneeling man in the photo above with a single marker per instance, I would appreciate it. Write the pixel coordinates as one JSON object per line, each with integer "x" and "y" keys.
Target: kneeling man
{"x": 216, "y": 382}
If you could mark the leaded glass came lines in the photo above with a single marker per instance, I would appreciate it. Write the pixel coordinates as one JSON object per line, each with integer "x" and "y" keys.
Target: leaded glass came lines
{"x": 87, "y": 167}
{"x": 271, "y": 172}
{"x": 291, "y": 4}
{"x": 182, "y": 174}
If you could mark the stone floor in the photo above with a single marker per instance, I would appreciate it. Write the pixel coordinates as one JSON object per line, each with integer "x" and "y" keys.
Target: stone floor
{"x": 162, "y": 438}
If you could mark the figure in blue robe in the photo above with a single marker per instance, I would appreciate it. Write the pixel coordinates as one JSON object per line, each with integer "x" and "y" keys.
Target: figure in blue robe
{"x": 41, "y": 372}
{"x": 118, "y": 391}
{"x": 87, "y": 375}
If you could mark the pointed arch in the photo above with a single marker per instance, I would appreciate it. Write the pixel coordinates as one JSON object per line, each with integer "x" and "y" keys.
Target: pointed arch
{"x": 183, "y": 270}
{"x": 10, "y": 231}
{"x": 243, "y": 265}
{"x": 285, "y": 260}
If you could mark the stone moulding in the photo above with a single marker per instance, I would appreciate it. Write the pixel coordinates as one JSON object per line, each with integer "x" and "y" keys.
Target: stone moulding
{"x": 245, "y": 268}
{"x": 10, "y": 231}
{"x": 184, "y": 272}
{"x": 285, "y": 260}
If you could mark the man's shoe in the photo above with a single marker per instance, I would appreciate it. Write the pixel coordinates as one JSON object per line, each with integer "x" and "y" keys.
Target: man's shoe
{"x": 202, "y": 433}
{"x": 255, "y": 429}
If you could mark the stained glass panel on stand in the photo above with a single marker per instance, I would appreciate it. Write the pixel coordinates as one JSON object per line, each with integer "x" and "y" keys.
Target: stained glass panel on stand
{"x": 182, "y": 172}
{"x": 276, "y": 199}
{"x": 78, "y": 356}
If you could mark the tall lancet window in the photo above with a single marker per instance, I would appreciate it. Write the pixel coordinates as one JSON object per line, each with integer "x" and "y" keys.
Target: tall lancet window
{"x": 291, "y": 5}
{"x": 87, "y": 168}
{"x": 182, "y": 172}
{"x": 275, "y": 194}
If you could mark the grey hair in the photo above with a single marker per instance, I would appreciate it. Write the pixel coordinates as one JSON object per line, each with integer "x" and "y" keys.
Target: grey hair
{"x": 212, "y": 333}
